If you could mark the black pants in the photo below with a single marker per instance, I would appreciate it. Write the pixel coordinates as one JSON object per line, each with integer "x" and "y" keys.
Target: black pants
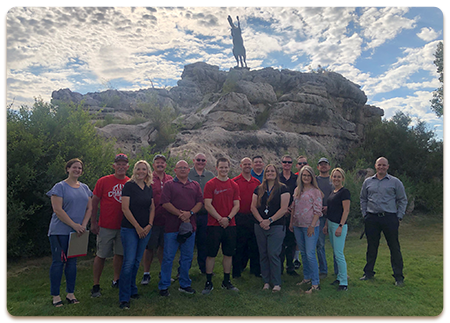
{"x": 288, "y": 249}
{"x": 246, "y": 246}
{"x": 200, "y": 239}
{"x": 387, "y": 224}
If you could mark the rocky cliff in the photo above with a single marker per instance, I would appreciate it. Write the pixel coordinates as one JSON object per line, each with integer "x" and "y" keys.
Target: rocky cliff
{"x": 241, "y": 113}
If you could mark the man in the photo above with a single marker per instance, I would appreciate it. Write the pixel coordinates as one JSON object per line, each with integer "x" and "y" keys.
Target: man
{"x": 156, "y": 242}
{"x": 301, "y": 161}
{"x": 182, "y": 198}
{"x": 323, "y": 180}
{"x": 199, "y": 174}
{"x": 258, "y": 168}
{"x": 246, "y": 245}
{"x": 108, "y": 192}
{"x": 289, "y": 244}
{"x": 383, "y": 204}
{"x": 221, "y": 197}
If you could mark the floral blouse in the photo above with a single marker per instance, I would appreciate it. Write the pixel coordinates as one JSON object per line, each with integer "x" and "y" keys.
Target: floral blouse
{"x": 305, "y": 207}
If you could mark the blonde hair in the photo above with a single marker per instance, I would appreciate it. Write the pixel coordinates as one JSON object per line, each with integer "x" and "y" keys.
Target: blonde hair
{"x": 340, "y": 170}
{"x": 149, "y": 178}
{"x": 262, "y": 187}
{"x": 300, "y": 186}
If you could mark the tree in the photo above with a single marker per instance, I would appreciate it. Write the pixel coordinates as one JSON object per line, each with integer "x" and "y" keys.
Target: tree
{"x": 39, "y": 142}
{"x": 437, "y": 103}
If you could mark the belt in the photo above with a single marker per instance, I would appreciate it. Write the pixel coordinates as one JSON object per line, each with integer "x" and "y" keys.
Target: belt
{"x": 381, "y": 214}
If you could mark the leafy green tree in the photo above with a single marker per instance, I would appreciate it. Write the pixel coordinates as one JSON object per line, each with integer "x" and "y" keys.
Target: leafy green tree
{"x": 39, "y": 142}
{"x": 437, "y": 103}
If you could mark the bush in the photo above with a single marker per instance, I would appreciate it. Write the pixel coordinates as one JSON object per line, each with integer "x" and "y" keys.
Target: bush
{"x": 39, "y": 142}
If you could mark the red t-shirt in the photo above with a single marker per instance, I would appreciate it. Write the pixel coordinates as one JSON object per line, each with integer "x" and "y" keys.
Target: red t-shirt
{"x": 222, "y": 194}
{"x": 157, "y": 186}
{"x": 109, "y": 190}
{"x": 246, "y": 189}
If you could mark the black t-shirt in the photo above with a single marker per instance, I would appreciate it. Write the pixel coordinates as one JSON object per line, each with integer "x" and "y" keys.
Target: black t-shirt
{"x": 291, "y": 183}
{"x": 274, "y": 204}
{"x": 140, "y": 202}
{"x": 334, "y": 203}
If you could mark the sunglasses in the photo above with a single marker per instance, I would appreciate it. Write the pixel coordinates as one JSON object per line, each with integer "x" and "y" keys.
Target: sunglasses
{"x": 201, "y": 160}
{"x": 287, "y": 162}
{"x": 303, "y": 163}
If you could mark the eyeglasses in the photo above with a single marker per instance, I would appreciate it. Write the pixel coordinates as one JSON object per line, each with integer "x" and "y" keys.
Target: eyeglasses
{"x": 287, "y": 162}
{"x": 201, "y": 160}
{"x": 302, "y": 163}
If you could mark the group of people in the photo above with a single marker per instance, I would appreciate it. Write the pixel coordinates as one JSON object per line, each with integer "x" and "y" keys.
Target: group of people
{"x": 259, "y": 217}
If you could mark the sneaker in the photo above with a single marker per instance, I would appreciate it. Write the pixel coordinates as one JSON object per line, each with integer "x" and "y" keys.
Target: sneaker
{"x": 146, "y": 279}
{"x": 164, "y": 292}
{"x": 297, "y": 264}
{"x": 125, "y": 305}
{"x": 229, "y": 286}
{"x": 188, "y": 290}
{"x": 135, "y": 296}
{"x": 115, "y": 284}
{"x": 366, "y": 277}
{"x": 95, "y": 291}
{"x": 336, "y": 282}
{"x": 208, "y": 288}
{"x": 342, "y": 287}
{"x": 323, "y": 275}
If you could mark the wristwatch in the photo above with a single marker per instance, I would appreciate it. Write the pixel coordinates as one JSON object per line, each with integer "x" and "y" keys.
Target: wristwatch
{"x": 192, "y": 213}
{"x": 270, "y": 219}
{"x": 340, "y": 225}
{"x": 229, "y": 219}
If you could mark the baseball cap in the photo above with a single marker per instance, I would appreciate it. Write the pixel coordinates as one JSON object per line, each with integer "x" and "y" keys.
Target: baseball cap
{"x": 323, "y": 159}
{"x": 159, "y": 156}
{"x": 121, "y": 157}
{"x": 184, "y": 232}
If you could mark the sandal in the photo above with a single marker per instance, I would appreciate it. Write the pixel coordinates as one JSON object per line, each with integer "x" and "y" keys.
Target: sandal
{"x": 58, "y": 304}
{"x": 276, "y": 289}
{"x": 72, "y": 301}
{"x": 313, "y": 288}
{"x": 266, "y": 286}
{"x": 304, "y": 282}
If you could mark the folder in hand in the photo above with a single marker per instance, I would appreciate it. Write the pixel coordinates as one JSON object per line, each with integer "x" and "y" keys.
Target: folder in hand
{"x": 78, "y": 245}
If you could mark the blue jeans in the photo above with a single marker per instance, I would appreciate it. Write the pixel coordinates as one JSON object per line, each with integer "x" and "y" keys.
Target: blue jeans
{"x": 59, "y": 245}
{"x": 307, "y": 246}
{"x": 321, "y": 256}
{"x": 133, "y": 249}
{"x": 338, "y": 244}
{"x": 171, "y": 246}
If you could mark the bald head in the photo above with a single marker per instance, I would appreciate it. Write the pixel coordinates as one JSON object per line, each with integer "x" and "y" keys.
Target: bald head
{"x": 182, "y": 170}
{"x": 381, "y": 166}
{"x": 246, "y": 165}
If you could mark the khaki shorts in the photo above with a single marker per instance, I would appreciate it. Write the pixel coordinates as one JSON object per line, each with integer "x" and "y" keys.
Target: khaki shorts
{"x": 109, "y": 243}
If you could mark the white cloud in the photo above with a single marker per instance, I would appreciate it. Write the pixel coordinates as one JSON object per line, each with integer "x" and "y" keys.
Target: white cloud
{"x": 427, "y": 34}
{"x": 383, "y": 24}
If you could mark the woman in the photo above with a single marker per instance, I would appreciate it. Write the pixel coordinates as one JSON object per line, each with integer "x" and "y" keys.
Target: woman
{"x": 270, "y": 202}
{"x": 71, "y": 203}
{"x": 338, "y": 209}
{"x": 306, "y": 210}
{"x": 138, "y": 210}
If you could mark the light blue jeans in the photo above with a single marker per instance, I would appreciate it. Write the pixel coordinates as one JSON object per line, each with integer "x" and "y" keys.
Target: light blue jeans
{"x": 133, "y": 249}
{"x": 307, "y": 246}
{"x": 171, "y": 246}
{"x": 338, "y": 244}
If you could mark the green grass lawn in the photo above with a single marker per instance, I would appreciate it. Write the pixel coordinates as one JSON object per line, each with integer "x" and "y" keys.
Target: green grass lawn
{"x": 28, "y": 289}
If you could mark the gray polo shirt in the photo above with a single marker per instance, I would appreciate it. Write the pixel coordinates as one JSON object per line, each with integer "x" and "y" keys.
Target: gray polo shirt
{"x": 201, "y": 179}
{"x": 385, "y": 195}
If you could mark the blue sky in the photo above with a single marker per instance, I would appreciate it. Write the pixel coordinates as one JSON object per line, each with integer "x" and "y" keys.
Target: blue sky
{"x": 388, "y": 51}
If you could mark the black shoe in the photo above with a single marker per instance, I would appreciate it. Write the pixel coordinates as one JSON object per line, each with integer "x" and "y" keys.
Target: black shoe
{"x": 187, "y": 290}
{"x": 342, "y": 287}
{"x": 135, "y": 296}
{"x": 229, "y": 286}
{"x": 125, "y": 305}
{"x": 146, "y": 279}
{"x": 297, "y": 264}
{"x": 95, "y": 291}
{"x": 366, "y": 277}
{"x": 115, "y": 284}
{"x": 208, "y": 288}
{"x": 164, "y": 292}
{"x": 336, "y": 282}
{"x": 292, "y": 273}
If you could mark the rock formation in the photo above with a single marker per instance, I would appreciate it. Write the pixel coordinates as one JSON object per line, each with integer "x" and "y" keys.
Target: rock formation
{"x": 241, "y": 113}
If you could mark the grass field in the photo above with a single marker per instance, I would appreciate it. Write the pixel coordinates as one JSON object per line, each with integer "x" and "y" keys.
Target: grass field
{"x": 28, "y": 286}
